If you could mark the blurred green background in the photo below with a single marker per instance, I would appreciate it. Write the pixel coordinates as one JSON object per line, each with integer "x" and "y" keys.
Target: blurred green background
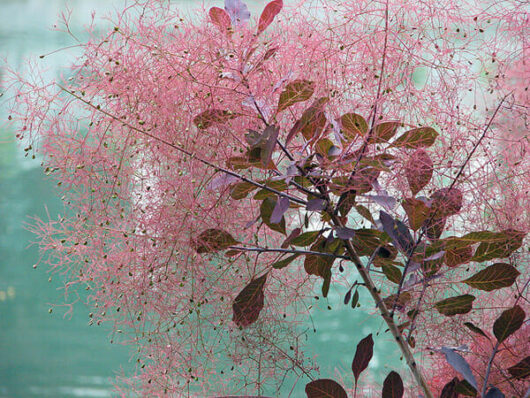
{"x": 49, "y": 355}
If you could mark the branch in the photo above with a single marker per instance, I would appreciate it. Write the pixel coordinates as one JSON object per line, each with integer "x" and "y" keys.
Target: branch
{"x": 294, "y": 251}
{"x": 186, "y": 152}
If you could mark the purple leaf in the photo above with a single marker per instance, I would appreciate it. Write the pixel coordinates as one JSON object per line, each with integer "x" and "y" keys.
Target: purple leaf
{"x": 222, "y": 181}
{"x": 388, "y": 202}
{"x": 316, "y": 204}
{"x": 398, "y": 232}
{"x": 345, "y": 233}
{"x": 238, "y": 11}
{"x": 494, "y": 392}
{"x": 460, "y": 365}
{"x": 435, "y": 256}
{"x": 281, "y": 207}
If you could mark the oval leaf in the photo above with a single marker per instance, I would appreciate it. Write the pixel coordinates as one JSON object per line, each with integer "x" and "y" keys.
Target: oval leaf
{"x": 460, "y": 365}
{"x": 475, "y": 329}
{"x": 353, "y": 125}
{"x": 279, "y": 210}
{"x": 508, "y": 323}
{"x": 266, "y": 209}
{"x": 455, "y": 305}
{"x": 325, "y": 388}
{"x": 393, "y": 386}
{"x": 213, "y": 240}
{"x": 220, "y": 18}
{"x": 449, "y": 390}
{"x": 238, "y": 11}
{"x": 398, "y": 232}
{"x": 363, "y": 355}
{"x": 521, "y": 370}
{"x": 269, "y": 12}
{"x": 285, "y": 262}
{"x": 494, "y": 392}
{"x": 418, "y": 170}
{"x": 393, "y": 274}
{"x": 383, "y": 132}
{"x": 296, "y": 91}
{"x": 417, "y": 138}
{"x": 249, "y": 303}
{"x": 417, "y": 212}
{"x": 306, "y": 238}
{"x": 446, "y": 202}
{"x": 495, "y": 276}
{"x": 207, "y": 118}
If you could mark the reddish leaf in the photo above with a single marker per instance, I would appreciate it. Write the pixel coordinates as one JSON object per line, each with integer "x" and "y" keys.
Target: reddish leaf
{"x": 521, "y": 370}
{"x": 508, "y": 323}
{"x": 220, "y": 18}
{"x": 446, "y": 202}
{"x": 417, "y": 138}
{"x": 296, "y": 91}
{"x": 417, "y": 212}
{"x": 325, "y": 388}
{"x": 501, "y": 245}
{"x": 393, "y": 386}
{"x": 363, "y": 355}
{"x": 455, "y": 305}
{"x": 384, "y": 131}
{"x": 496, "y": 276}
{"x": 353, "y": 125}
{"x": 269, "y": 12}
{"x": 249, "y": 302}
{"x": 418, "y": 170}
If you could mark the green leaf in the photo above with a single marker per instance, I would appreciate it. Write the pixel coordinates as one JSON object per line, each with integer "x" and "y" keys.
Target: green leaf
{"x": 416, "y": 138}
{"x": 312, "y": 121}
{"x": 475, "y": 329}
{"x": 353, "y": 125}
{"x": 249, "y": 302}
{"x": 355, "y": 299}
{"x": 213, "y": 240}
{"x": 393, "y": 274}
{"x": 500, "y": 245}
{"x": 241, "y": 190}
{"x": 418, "y": 170}
{"x": 323, "y": 146}
{"x": 455, "y": 305}
{"x": 399, "y": 303}
{"x": 209, "y": 117}
{"x": 285, "y": 262}
{"x": 278, "y": 185}
{"x": 363, "y": 211}
{"x": 266, "y": 209}
{"x": 495, "y": 276}
{"x": 383, "y": 132}
{"x": 296, "y": 91}
{"x": 508, "y": 323}
{"x": 327, "y": 281}
{"x": 325, "y": 388}
{"x": 306, "y": 238}
{"x": 417, "y": 212}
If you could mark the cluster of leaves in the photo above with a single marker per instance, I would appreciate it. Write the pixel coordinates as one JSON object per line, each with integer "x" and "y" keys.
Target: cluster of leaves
{"x": 224, "y": 140}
